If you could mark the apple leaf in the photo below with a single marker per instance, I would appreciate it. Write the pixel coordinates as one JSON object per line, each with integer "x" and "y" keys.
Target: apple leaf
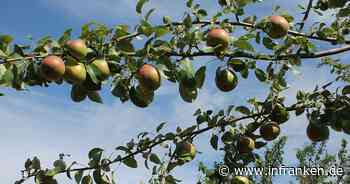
{"x": 139, "y": 5}
{"x": 346, "y": 90}
{"x": 161, "y": 31}
{"x": 214, "y": 141}
{"x": 200, "y": 76}
{"x": 91, "y": 71}
{"x": 160, "y": 126}
{"x": 242, "y": 109}
{"x": 78, "y": 176}
{"x": 155, "y": 159}
{"x": 95, "y": 154}
{"x": 260, "y": 74}
{"x": 130, "y": 162}
{"x": 95, "y": 97}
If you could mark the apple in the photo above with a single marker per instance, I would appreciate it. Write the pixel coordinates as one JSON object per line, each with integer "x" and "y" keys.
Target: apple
{"x": 140, "y": 97}
{"x": 279, "y": 114}
{"x": 240, "y": 180}
{"x": 245, "y": 144}
{"x": 270, "y": 131}
{"x": 75, "y": 72}
{"x": 149, "y": 77}
{"x": 226, "y": 80}
{"x": 78, "y": 93}
{"x": 185, "y": 151}
{"x": 277, "y": 27}
{"x": 103, "y": 68}
{"x": 317, "y": 132}
{"x": 77, "y": 48}
{"x": 188, "y": 94}
{"x": 218, "y": 38}
{"x": 52, "y": 68}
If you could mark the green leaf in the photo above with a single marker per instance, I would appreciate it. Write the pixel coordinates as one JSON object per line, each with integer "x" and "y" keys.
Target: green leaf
{"x": 200, "y": 76}
{"x": 228, "y": 137}
{"x": 65, "y": 37}
{"x": 188, "y": 21}
{"x": 145, "y": 28}
{"x": 36, "y": 163}
{"x": 91, "y": 71}
{"x": 186, "y": 74}
{"x": 6, "y": 39}
{"x": 187, "y": 67}
{"x": 120, "y": 88}
{"x": 268, "y": 43}
{"x": 202, "y": 13}
{"x": 160, "y": 31}
{"x": 155, "y": 159}
{"x": 243, "y": 44}
{"x": 243, "y": 110}
{"x": 214, "y": 141}
{"x": 139, "y": 5}
{"x": 346, "y": 90}
{"x": 260, "y": 74}
{"x": 95, "y": 97}
{"x": 167, "y": 20}
{"x": 130, "y": 162}
{"x": 149, "y": 13}
{"x": 78, "y": 176}
{"x": 95, "y": 154}
{"x": 160, "y": 126}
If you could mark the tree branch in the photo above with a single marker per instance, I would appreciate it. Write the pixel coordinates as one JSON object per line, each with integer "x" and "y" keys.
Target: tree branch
{"x": 240, "y": 54}
{"x": 302, "y": 24}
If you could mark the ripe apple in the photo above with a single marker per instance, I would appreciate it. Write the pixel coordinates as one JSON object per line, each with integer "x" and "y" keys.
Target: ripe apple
{"x": 240, "y": 180}
{"x": 140, "y": 97}
{"x": 185, "y": 151}
{"x": 317, "y": 132}
{"x": 218, "y": 38}
{"x": 75, "y": 72}
{"x": 226, "y": 80}
{"x": 78, "y": 93}
{"x": 278, "y": 27}
{"x": 187, "y": 94}
{"x": 103, "y": 68}
{"x": 245, "y": 144}
{"x": 149, "y": 77}
{"x": 270, "y": 131}
{"x": 52, "y": 68}
{"x": 77, "y": 48}
{"x": 279, "y": 114}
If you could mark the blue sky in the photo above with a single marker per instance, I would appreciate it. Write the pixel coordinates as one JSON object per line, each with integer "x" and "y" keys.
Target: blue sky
{"x": 44, "y": 122}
